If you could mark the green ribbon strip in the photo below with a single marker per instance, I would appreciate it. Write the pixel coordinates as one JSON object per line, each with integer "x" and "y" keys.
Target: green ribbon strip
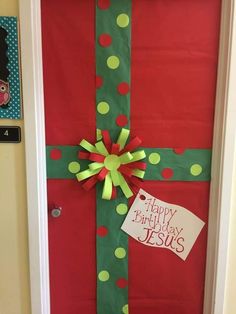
{"x": 112, "y": 255}
{"x": 191, "y": 165}
{"x": 113, "y": 67}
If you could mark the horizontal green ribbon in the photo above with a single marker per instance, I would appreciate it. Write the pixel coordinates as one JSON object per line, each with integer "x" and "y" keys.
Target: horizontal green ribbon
{"x": 164, "y": 158}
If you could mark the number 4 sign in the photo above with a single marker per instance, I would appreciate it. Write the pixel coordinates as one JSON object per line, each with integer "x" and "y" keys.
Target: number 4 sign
{"x": 159, "y": 224}
{"x": 10, "y": 134}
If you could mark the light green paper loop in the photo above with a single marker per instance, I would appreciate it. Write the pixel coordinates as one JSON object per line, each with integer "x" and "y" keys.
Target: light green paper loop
{"x": 107, "y": 188}
{"x": 115, "y": 178}
{"x": 89, "y": 147}
{"x": 125, "y": 187}
{"x": 137, "y": 156}
{"x": 95, "y": 165}
{"x": 86, "y": 174}
{"x": 101, "y": 148}
{"x": 139, "y": 173}
{"x": 125, "y": 158}
{"x": 123, "y": 137}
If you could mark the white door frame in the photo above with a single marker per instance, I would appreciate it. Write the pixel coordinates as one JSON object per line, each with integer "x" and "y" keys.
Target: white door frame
{"x": 32, "y": 82}
{"x": 222, "y": 164}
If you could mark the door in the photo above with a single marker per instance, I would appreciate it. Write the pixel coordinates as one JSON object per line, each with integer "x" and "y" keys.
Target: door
{"x": 170, "y": 67}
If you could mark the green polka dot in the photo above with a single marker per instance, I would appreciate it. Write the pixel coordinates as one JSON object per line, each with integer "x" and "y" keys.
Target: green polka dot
{"x": 99, "y": 134}
{"x": 120, "y": 252}
{"x": 122, "y": 20}
{"x": 125, "y": 309}
{"x": 121, "y": 209}
{"x": 74, "y": 167}
{"x": 113, "y": 62}
{"x": 103, "y": 275}
{"x": 196, "y": 169}
{"x": 154, "y": 158}
{"x": 103, "y": 107}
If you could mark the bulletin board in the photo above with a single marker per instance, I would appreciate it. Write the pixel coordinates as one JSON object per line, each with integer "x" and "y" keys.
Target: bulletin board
{"x": 10, "y": 86}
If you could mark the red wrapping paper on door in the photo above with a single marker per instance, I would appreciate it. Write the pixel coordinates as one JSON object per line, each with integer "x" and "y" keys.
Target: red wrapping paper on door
{"x": 173, "y": 74}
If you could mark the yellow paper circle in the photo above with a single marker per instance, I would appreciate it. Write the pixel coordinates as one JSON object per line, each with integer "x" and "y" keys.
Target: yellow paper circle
{"x": 103, "y": 275}
{"x": 121, "y": 209}
{"x": 122, "y": 20}
{"x": 113, "y": 62}
{"x": 125, "y": 309}
{"x": 154, "y": 158}
{"x": 74, "y": 167}
{"x": 196, "y": 170}
{"x": 103, "y": 107}
{"x": 112, "y": 162}
{"x": 120, "y": 252}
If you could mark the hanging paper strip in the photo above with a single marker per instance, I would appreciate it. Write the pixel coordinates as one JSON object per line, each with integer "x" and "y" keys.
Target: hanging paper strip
{"x": 113, "y": 22}
{"x": 10, "y": 95}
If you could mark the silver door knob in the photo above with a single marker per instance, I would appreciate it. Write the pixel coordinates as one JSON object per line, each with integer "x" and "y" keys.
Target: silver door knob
{"x": 56, "y": 212}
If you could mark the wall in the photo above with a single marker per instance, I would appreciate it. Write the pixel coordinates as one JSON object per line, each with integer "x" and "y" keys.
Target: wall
{"x": 14, "y": 276}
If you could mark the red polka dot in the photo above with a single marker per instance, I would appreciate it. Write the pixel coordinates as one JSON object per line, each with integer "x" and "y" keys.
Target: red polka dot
{"x": 121, "y": 120}
{"x": 142, "y": 197}
{"x": 122, "y": 283}
{"x": 167, "y": 173}
{"x": 123, "y": 88}
{"x": 105, "y": 40}
{"x": 102, "y": 231}
{"x": 55, "y": 154}
{"x": 104, "y": 4}
{"x": 99, "y": 81}
{"x": 179, "y": 151}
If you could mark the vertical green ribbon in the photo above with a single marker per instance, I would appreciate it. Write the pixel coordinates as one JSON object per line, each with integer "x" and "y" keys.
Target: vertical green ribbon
{"x": 113, "y": 24}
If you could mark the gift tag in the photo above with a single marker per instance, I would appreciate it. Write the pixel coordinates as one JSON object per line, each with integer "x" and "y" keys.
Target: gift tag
{"x": 159, "y": 224}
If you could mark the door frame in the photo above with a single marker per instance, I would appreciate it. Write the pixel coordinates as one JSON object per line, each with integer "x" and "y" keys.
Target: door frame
{"x": 222, "y": 162}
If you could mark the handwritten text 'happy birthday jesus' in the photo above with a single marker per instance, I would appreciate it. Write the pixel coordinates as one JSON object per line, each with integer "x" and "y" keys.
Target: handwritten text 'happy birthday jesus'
{"x": 159, "y": 224}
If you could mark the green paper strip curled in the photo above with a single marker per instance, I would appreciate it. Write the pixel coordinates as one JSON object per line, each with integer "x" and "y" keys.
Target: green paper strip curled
{"x": 101, "y": 148}
{"x": 139, "y": 173}
{"x": 86, "y": 174}
{"x": 115, "y": 177}
{"x": 125, "y": 187}
{"x": 139, "y": 155}
{"x": 123, "y": 137}
{"x": 107, "y": 188}
{"x": 126, "y": 158}
{"x": 89, "y": 147}
{"x": 95, "y": 166}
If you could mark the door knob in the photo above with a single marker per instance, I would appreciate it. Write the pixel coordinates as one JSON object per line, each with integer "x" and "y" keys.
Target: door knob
{"x": 56, "y": 212}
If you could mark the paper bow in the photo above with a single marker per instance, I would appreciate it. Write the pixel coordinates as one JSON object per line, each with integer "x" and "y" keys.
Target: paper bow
{"x": 114, "y": 163}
